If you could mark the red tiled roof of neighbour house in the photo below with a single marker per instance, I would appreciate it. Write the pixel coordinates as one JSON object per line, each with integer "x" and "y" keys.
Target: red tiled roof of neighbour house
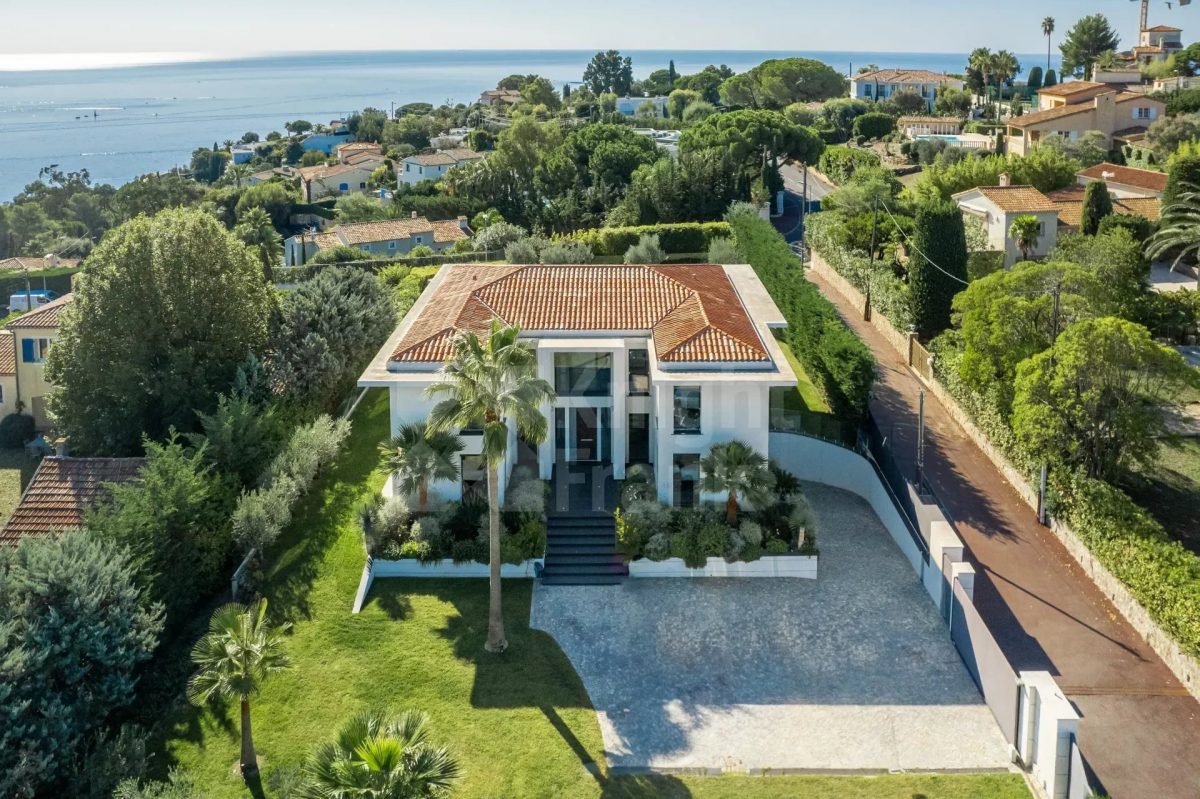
{"x": 1147, "y": 49}
{"x": 1050, "y": 114}
{"x": 1163, "y": 29}
{"x": 62, "y": 490}
{"x": 1126, "y": 97}
{"x": 1071, "y": 87}
{"x": 358, "y": 146}
{"x": 358, "y": 233}
{"x": 1069, "y": 204}
{"x": 448, "y": 231}
{"x": 358, "y": 158}
{"x": 432, "y": 159}
{"x": 23, "y": 264}
{"x": 1016, "y": 199}
{"x": 1142, "y": 178}
{"x": 45, "y": 316}
{"x": 8, "y": 354}
{"x": 462, "y": 153}
{"x": 904, "y": 76}
{"x": 692, "y": 311}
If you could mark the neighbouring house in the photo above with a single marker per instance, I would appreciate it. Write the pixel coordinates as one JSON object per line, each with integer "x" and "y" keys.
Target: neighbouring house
{"x": 389, "y": 237}
{"x": 1069, "y": 202}
{"x": 1128, "y": 78}
{"x": 913, "y": 126}
{"x": 62, "y": 491}
{"x": 355, "y": 150}
{"x": 24, "y": 264}
{"x": 324, "y": 180}
{"x": 1157, "y": 44}
{"x": 431, "y": 166}
{"x": 452, "y": 138}
{"x": 998, "y": 206}
{"x": 242, "y": 153}
{"x": 651, "y": 364}
{"x": 8, "y": 374}
{"x": 1125, "y": 181}
{"x": 494, "y": 96}
{"x": 33, "y": 334}
{"x": 1095, "y": 106}
{"x": 1175, "y": 83}
{"x": 629, "y": 106}
{"x": 880, "y": 84}
{"x": 326, "y": 142}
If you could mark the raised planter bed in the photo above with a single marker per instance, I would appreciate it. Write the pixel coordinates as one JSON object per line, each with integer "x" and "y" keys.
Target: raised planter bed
{"x": 411, "y": 567}
{"x": 802, "y": 566}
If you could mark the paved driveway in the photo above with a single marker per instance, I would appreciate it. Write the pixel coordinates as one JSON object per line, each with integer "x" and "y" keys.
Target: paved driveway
{"x": 852, "y": 671}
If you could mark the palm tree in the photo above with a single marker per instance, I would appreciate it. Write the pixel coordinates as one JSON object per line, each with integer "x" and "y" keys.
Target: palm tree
{"x": 1025, "y": 230}
{"x": 256, "y": 230}
{"x": 1179, "y": 228}
{"x": 490, "y": 384}
{"x": 419, "y": 456}
{"x": 235, "y": 657}
{"x": 983, "y": 60}
{"x": 1005, "y": 66}
{"x": 1048, "y": 31}
{"x": 237, "y": 172}
{"x": 379, "y": 757}
{"x": 738, "y": 469}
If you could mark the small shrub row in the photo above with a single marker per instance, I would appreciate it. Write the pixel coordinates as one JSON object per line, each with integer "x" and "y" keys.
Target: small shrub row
{"x": 839, "y": 163}
{"x": 680, "y": 237}
{"x": 889, "y": 294}
{"x": 263, "y": 513}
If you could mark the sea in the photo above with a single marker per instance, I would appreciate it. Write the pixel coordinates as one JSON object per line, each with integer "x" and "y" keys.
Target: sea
{"x": 123, "y": 121}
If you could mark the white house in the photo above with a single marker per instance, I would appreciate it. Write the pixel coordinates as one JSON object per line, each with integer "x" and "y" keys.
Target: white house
{"x": 432, "y": 166}
{"x": 390, "y": 237}
{"x": 629, "y": 105}
{"x": 241, "y": 153}
{"x": 1158, "y": 43}
{"x": 880, "y": 84}
{"x": 998, "y": 206}
{"x": 324, "y": 180}
{"x": 650, "y": 364}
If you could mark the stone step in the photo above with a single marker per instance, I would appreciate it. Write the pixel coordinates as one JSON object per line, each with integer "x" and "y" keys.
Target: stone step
{"x": 555, "y": 558}
{"x": 582, "y": 539}
{"x": 574, "y": 548}
{"x": 582, "y": 579}
{"x": 611, "y": 566}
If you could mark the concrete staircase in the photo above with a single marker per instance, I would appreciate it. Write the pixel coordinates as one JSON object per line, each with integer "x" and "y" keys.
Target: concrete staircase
{"x": 581, "y": 549}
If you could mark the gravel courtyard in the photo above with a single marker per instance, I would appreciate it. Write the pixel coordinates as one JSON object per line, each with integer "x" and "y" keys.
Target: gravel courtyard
{"x": 853, "y": 671}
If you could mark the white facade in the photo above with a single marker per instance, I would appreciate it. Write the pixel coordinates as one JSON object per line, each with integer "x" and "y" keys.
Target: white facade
{"x": 885, "y": 83}
{"x": 629, "y": 106}
{"x": 997, "y": 221}
{"x": 647, "y": 415}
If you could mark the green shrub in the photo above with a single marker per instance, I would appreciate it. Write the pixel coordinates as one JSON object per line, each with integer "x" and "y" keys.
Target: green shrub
{"x": 777, "y": 546}
{"x": 658, "y": 547}
{"x": 751, "y": 553}
{"x": 874, "y": 125}
{"x": 735, "y": 544}
{"x": 712, "y": 540}
{"x": 646, "y": 251}
{"x": 724, "y": 251}
{"x": 469, "y": 551}
{"x": 417, "y": 550}
{"x": 421, "y": 251}
{"x": 1138, "y": 226}
{"x": 839, "y": 163}
{"x": 752, "y": 533}
{"x": 566, "y": 252}
{"x": 17, "y": 430}
{"x": 681, "y": 237}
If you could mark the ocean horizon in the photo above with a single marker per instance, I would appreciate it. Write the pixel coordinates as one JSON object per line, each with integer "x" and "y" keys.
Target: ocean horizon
{"x": 126, "y": 119}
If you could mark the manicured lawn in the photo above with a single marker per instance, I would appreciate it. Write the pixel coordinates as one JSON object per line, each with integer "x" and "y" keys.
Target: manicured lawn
{"x": 15, "y": 470}
{"x": 521, "y": 724}
{"x": 1170, "y": 490}
{"x": 806, "y": 393}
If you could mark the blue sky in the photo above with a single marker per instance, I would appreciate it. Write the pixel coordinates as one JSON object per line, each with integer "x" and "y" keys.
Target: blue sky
{"x": 255, "y": 26}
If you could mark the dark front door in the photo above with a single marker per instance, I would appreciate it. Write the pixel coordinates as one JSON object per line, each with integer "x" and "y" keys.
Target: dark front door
{"x": 587, "y": 437}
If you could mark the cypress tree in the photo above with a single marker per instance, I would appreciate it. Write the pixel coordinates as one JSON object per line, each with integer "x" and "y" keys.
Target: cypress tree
{"x": 940, "y": 238}
{"x": 1184, "y": 169}
{"x": 1096, "y": 205}
{"x": 1050, "y": 80}
{"x": 674, "y": 76}
{"x": 1034, "y": 81}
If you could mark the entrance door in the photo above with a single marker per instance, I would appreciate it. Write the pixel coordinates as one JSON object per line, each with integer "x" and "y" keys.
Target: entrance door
{"x": 587, "y": 435}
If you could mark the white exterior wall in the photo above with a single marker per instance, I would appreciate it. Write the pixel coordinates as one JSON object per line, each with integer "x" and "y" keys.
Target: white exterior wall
{"x": 413, "y": 173}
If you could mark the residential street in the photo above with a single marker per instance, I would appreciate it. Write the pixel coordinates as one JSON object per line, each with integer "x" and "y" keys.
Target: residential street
{"x": 1140, "y": 729}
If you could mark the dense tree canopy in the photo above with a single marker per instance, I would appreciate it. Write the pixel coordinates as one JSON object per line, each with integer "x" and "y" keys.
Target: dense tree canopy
{"x": 937, "y": 267}
{"x": 1091, "y": 36}
{"x": 609, "y": 72}
{"x": 779, "y": 82}
{"x": 170, "y": 307}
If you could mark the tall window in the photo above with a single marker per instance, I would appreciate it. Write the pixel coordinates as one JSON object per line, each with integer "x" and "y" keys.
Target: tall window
{"x": 474, "y": 477}
{"x": 34, "y": 350}
{"x": 639, "y": 373}
{"x": 687, "y": 409}
{"x": 1143, "y": 112}
{"x": 583, "y": 374}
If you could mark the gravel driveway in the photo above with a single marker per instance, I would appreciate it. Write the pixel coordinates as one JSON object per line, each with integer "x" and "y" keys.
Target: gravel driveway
{"x": 853, "y": 671}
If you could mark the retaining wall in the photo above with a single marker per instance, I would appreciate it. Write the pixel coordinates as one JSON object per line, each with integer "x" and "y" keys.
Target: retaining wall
{"x": 803, "y": 566}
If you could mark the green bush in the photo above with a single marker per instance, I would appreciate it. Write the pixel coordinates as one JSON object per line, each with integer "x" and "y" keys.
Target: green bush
{"x": 874, "y": 125}
{"x": 658, "y": 547}
{"x": 17, "y": 430}
{"x": 830, "y": 353}
{"x": 680, "y": 237}
{"x": 469, "y": 551}
{"x": 839, "y": 163}
{"x": 417, "y": 550}
{"x": 1138, "y": 226}
{"x": 777, "y": 546}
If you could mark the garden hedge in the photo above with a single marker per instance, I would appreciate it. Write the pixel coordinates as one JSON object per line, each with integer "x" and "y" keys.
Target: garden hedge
{"x": 830, "y": 353}
{"x": 839, "y": 163}
{"x": 673, "y": 238}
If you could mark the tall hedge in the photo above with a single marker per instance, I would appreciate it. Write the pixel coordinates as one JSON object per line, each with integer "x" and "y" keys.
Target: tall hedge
{"x": 831, "y": 354}
{"x": 874, "y": 125}
{"x": 680, "y": 237}
{"x": 1096, "y": 206}
{"x": 1184, "y": 169}
{"x": 937, "y": 266}
{"x": 839, "y": 163}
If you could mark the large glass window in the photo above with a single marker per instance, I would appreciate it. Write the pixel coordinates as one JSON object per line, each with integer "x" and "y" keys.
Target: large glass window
{"x": 583, "y": 374}
{"x": 687, "y": 409}
{"x": 639, "y": 372}
{"x": 474, "y": 477}
{"x": 686, "y": 473}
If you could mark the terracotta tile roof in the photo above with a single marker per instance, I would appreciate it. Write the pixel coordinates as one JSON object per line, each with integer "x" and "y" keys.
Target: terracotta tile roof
{"x": 1071, "y": 87}
{"x": 1069, "y": 203}
{"x": 1015, "y": 199}
{"x": 461, "y": 154}
{"x": 62, "y": 490}
{"x": 1146, "y": 49}
{"x": 1113, "y": 173}
{"x": 1163, "y": 29}
{"x": 356, "y": 234}
{"x": 904, "y": 76}
{"x": 692, "y": 311}
{"x": 431, "y": 159}
{"x": 357, "y": 146}
{"x": 8, "y": 353}
{"x": 1050, "y": 114}
{"x": 46, "y": 316}
{"x": 22, "y": 264}
{"x": 356, "y": 158}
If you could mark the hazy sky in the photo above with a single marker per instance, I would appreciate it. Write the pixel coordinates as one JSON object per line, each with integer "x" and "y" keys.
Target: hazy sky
{"x": 255, "y": 26}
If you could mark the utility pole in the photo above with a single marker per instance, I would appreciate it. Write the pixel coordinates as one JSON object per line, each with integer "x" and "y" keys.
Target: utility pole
{"x": 871, "y": 257}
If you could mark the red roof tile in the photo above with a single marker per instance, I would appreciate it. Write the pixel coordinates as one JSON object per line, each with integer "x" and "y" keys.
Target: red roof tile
{"x": 45, "y": 316}
{"x": 62, "y": 490}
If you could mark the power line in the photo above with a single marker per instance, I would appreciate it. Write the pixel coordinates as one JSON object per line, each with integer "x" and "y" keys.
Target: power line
{"x": 908, "y": 241}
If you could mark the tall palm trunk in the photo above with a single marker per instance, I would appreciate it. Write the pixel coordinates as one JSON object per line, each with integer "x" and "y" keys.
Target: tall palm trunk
{"x": 249, "y": 758}
{"x": 1047, "y": 54}
{"x": 731, "y": 510}
{"x": 423, "y": 496}
{"x": 495, "y": 638}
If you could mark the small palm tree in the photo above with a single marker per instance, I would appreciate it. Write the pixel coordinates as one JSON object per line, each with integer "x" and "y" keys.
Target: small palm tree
{"x": 235, "y": 657}
{"x": 255, "y": 230}
{"x": 238, "y": 172}
{"x": 1179, "y": 229}
{"x": 983, "y": 60}
{"x": 379, "y": 757}
{"x": 739, "y": 470}
{"x": 1025, "y": 231}
{"x": 419, "y": 456}
{"x": 490, "y": 384}
{"x": 1048, "y": 31}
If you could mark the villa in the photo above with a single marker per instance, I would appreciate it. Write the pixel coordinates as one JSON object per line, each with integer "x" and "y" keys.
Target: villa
{"x": 652, "y": 364}
{"x": 432, "y": 166}
{"x": 388, "y": 237}
{"x": 22, "y": 374}
{"x": 1071, "y": 109}
{"x": 1157, "y": 44}
{"x": 880, "y": 84}
{"x": 1125, "y": 181}
{"x": 998, "y": 206}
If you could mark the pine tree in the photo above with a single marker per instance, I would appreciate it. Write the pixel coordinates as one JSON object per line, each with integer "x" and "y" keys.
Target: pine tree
{"x": 937, "y": 267}
{"x": 1096, "y": 205}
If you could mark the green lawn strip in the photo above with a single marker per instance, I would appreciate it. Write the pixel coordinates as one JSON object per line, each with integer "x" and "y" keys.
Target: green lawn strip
{"x": 806, "y": 391}
{"x": 521, "y": 724}
{"x": 16, "y": 468}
